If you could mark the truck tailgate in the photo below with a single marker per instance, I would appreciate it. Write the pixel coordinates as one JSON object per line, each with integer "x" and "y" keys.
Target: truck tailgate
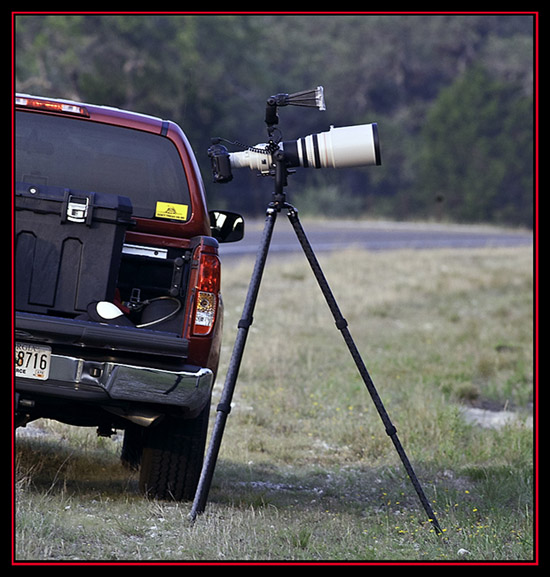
{"x": 61, "y": 331}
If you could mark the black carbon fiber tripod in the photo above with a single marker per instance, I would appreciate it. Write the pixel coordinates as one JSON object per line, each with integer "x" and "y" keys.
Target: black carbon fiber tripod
{"x": 274, "y": 208}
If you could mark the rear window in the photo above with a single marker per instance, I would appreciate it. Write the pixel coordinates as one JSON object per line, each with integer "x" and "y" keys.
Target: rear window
{"x": 84, "y": 155}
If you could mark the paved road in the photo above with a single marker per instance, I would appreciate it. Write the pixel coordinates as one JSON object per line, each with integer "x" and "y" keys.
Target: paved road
{"x": 332, "y": 235}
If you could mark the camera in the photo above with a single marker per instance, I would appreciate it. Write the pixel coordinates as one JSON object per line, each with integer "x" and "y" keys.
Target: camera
{"x": 344, "y": 147}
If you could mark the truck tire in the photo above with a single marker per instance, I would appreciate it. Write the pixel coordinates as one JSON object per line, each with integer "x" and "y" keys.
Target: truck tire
{"x": 172, "y": 457}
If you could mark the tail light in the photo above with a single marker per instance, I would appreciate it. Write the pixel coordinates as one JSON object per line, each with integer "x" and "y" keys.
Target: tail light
{"x": 207, "y": 290}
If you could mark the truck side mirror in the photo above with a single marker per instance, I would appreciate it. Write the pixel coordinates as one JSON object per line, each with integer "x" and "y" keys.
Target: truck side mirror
{"x": 226, "y": 226}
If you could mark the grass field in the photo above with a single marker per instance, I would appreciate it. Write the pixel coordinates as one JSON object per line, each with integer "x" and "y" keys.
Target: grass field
{"x": 306, "y": 472}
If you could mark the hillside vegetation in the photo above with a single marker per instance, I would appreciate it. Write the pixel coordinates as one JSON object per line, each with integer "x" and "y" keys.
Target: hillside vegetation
{"x": 452, "y": 96}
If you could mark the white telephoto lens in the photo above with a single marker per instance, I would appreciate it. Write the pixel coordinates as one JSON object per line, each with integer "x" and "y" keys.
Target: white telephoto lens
{"x": 341, "y": 147}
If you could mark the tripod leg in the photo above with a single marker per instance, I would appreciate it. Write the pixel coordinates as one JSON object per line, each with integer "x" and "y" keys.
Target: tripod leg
{"x": 224, "y": 405}
{"x": 342, "y": 324}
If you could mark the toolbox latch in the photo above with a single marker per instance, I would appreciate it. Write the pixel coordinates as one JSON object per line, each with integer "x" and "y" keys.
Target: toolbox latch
{"x": 77, "y": 208}
{"x": 77, "y": 211}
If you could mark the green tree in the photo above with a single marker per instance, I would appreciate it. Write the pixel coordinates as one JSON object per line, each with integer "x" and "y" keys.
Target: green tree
{"x": 477, "y": 152}
{"x": 213, "y": 73}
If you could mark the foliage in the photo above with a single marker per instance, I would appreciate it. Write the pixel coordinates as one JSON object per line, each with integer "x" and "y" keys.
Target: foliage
{"x": 477, "y": 150}
{"x": 213, "y": 73}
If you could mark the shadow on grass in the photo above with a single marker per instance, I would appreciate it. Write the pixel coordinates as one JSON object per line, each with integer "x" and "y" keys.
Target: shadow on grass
{"x": 56, "y": 467}
{"x": 345, "y": 489}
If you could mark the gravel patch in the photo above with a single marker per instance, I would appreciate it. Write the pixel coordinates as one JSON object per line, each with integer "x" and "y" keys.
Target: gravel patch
{"x": 495, "y": 419}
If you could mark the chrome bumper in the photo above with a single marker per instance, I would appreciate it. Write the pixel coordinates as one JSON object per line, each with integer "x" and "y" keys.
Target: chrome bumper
{"x": 121, "y": 382}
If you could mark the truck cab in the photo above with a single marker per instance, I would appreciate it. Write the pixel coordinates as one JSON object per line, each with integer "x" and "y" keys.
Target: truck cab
{"x": 118, "y": 307}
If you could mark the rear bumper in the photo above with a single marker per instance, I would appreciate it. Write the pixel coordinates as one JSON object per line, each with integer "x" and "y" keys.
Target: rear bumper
{"x": 76, "y": 378}
{"x": 95, "y": 367}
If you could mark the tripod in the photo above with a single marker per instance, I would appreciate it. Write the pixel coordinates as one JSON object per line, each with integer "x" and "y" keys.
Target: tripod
{"x": 274, "y": 208}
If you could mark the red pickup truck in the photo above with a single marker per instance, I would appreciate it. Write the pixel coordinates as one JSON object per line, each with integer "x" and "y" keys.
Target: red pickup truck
{"x": 118, "y": 309}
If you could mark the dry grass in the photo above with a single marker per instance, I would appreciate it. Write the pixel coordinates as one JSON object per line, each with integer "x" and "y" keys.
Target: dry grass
{"x": 306, "y": 471}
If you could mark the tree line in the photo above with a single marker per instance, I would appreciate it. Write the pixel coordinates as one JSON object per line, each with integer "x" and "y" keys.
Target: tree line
{"x": 452, "y": 95}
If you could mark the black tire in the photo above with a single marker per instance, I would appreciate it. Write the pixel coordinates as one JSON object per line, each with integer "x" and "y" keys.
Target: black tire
{"x": 172, "y": 457}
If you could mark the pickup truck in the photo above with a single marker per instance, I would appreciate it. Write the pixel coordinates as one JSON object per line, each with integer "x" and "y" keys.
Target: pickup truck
{"x": 118, "y": 310}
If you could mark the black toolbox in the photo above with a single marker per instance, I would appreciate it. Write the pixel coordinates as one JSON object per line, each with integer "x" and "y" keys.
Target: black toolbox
{"x": 68, "y": 247}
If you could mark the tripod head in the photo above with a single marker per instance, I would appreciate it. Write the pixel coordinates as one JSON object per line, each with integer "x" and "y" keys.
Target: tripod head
{"x": 306, "y": 98}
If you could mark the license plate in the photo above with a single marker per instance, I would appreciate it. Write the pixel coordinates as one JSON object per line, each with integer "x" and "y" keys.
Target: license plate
{"x": 32, "y": 361}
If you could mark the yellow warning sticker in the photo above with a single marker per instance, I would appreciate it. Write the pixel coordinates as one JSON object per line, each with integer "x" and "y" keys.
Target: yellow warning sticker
{"x": 171, "y": 210}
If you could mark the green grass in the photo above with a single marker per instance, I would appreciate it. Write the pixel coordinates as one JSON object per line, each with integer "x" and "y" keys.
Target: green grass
{"x": 306, "y": 471}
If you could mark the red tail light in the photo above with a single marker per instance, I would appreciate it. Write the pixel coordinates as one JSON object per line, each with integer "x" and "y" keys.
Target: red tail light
{"x": 207, "y": 289}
